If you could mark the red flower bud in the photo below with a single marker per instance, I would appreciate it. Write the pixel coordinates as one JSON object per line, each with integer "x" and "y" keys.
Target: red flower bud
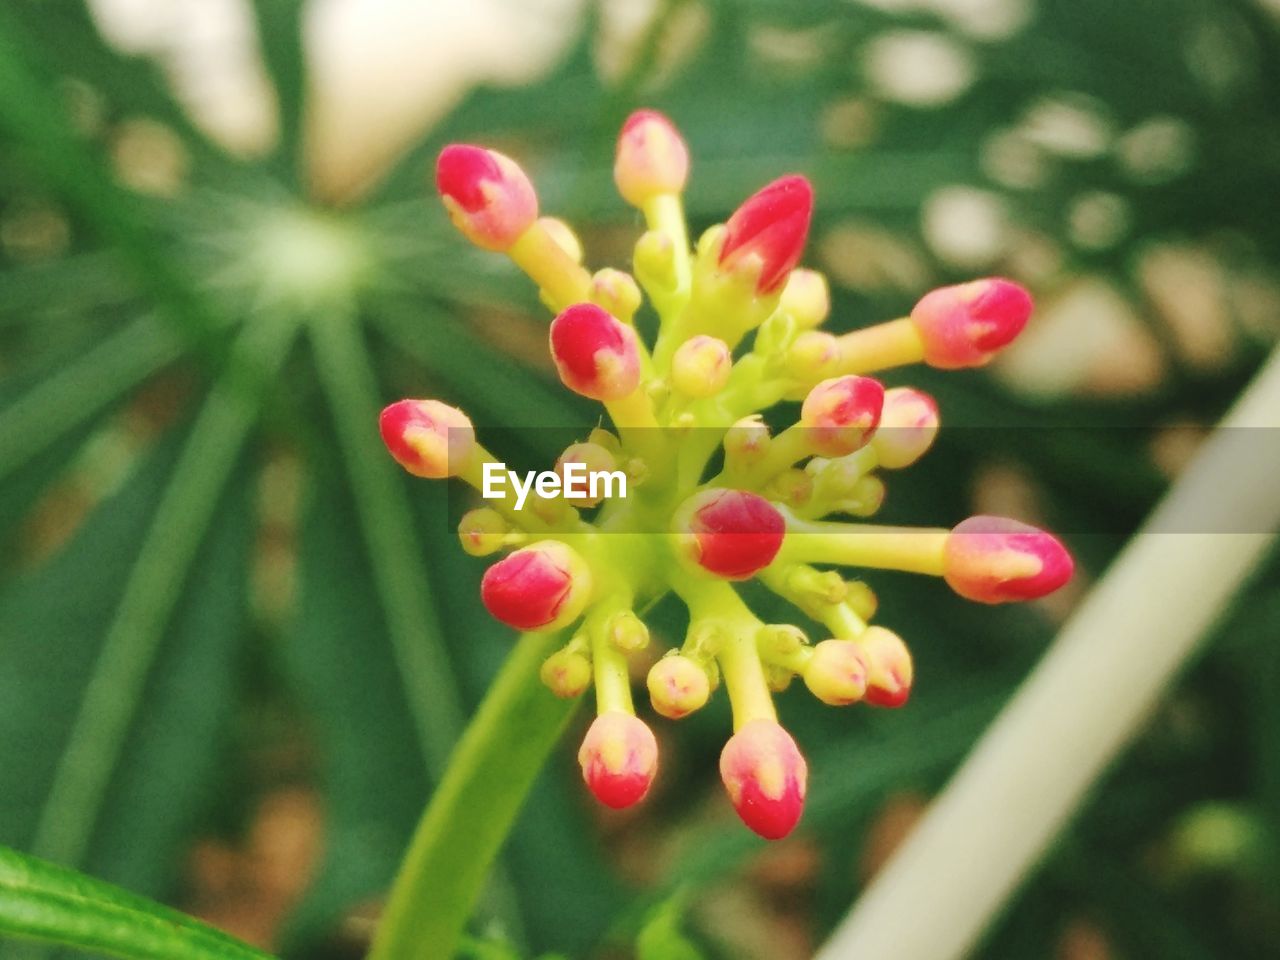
{"x": 997, "y": 560}
{"x": 426, "y": 437}
{"x": 771, "y": 228}
{"x": 731, "y": 533}
{"x": 964, "y": 325}
{"x": 678, "y": 686}
{"x": 596, "y": 354}
{"x": 837, "y": 672}
{"x": 841, "y": 414}
{"x": 652, "y": 159}
{"x": 487, "y": 195}
{"x": 765, "y": 775}
{"x": 890, "y": 671}
{"x": 619, "y": 759}
{"x": 908, "y": 426}
{"x": 543, "y": 586}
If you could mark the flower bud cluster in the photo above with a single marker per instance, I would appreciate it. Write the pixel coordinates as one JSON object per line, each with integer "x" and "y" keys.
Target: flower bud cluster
{"x": 738, "y": 331}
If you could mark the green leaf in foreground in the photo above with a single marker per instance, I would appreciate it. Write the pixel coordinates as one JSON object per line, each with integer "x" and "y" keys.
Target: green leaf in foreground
{"x": 41, "y": 901}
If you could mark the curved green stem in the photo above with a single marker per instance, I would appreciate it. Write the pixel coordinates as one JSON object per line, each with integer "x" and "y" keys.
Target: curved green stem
{"x": 488, "y": 777}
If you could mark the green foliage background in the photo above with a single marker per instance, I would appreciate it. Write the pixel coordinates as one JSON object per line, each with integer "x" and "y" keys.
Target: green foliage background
{"x": 181, "y": 396}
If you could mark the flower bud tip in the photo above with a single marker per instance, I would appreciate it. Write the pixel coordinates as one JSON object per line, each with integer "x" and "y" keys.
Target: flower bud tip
{"x": 770, "y": 228}
{"x": 619, "y": 758}
{"x": 997, "y": 560}
{"x": 651, "y": 158}
{"x": 487, "y": 195}
{"x": 965, "y": 325}
{"x": 730, "y": 533}
{"x": 543, "y": 586}
{"x": 426, "y": 437}
{"x": 765, "y": 776}
{"x": 596, "y": 354}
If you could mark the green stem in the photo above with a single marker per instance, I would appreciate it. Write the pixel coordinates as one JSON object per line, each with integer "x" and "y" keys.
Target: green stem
{"x": 490, "y": 773}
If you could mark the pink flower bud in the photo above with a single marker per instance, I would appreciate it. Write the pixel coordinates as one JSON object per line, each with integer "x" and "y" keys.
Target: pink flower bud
{"x": 652, "y": 158}
{"x": 701, "y": 366}
{"x": 566, "y": 673}
{"x": 619, "y": 759}
{"x": 964, "y": 325}
{"x": 890, "y": 671}
{"x": 837, "y": 672}
{"x": 595, "y": 353}
{"x": 908, "y": 426}
{"x": 997, "y": 560}
{"x": 841, "y": 414}
{"x": 765, "y": 776}
{"x": 428, "y": 438}
{"x": 731, "y": 533}
{"x": 770, "y": 228}
{"x": 678, "y": 686}
{"x": 543, "y": 586}
{"x": 487, "y": 195}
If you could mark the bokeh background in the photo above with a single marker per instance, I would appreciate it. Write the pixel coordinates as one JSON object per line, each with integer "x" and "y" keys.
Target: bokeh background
{"x": 235, "y": 642}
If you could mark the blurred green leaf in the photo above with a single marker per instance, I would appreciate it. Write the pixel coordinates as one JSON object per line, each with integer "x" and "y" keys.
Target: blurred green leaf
{"x": 280, "y": 24}
{"x": 41, "y": 901}
{"x": 661, "y": 937}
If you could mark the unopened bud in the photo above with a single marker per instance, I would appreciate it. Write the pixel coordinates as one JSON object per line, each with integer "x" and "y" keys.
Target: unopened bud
{"x": 616, "y": 291}
{"x": 890, "y": 672}
{"x": 678, "y": 686}
{"x": 814, "y": 355}
{"x": 965, "y": 325}
{"x": 747, "y": 441}
{"x": 540, "y": 587}
{"x": 428, "y": 438}
{"x": 908, "y": 426}
{"x": 731, "y": 533}
{"x": 619, "y": 759}
{"x": 652, "y": 159}
{"x": 997, "y": 560}
{"x": 837, "y": 672}
{"x": 483, "y": 531}
{"x": 594, "y": 458}
{"x": 628, "y": 632}
{"x": 766, "y": 235}
{"x": 595, "y": 353}
{"x": 701, "y": 366}
{"x": 487, "y": 195}
{"x": 841, "y": 414}
{"x": 806, "y": 298}
{"x": 566, "y": 673}
{"x": 766, "y": 777}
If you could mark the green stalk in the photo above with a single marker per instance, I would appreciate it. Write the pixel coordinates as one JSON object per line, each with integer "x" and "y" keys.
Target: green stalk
{"x": 472, "y": 810}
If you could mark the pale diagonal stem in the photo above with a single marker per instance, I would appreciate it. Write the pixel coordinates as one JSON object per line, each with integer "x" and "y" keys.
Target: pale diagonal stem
{"x": 1032, "y": 769}
{"x": 81, "y": 389}
{"x": 116, "y": 686}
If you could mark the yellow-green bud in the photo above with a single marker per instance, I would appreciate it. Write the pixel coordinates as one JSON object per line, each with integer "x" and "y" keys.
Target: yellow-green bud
{"x": 701, "y": 366}
{"x": 566, "y": 673}
{"x": 678, "y": 685}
